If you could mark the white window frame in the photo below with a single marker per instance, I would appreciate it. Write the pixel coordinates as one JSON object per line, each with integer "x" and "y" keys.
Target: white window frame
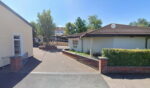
{"x": 75, "y": 45}
{"x": 21, "y": 44}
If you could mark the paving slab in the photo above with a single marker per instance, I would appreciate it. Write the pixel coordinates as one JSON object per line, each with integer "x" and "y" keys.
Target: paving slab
{"x": 52, "y": 69}
{"x": 50, "y": 80}
{"x": 55, "y": 61}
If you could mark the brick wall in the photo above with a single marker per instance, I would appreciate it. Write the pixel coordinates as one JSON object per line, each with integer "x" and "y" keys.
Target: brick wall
{"x": 90, "y": 62}
{"x": 16, "y": 63}
{"x": 104, "y": 68}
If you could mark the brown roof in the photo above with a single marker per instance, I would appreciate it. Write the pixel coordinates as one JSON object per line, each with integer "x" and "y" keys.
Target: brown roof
{"x": 77, "y": 35}
{"x": 118, "y": 30}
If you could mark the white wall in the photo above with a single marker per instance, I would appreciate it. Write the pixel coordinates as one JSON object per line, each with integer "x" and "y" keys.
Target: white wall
{"x": 148, "y": 45}
{"x": 110, "y": 42}
{"x": 129, "y": 42}
{"x": 98, "y": 44}
{"x": 10, "y": 24}
{"x": 70, "y": 44}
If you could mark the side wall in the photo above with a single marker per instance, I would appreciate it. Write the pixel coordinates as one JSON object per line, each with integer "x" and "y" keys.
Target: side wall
{"x": 109, "y": 42}
{"x": 10, "y": 24}
{"x": 98, "y": 44}
{"x": 148, "y": 45}
{"x": 70, "y": 44}
{"x": 129, "y": 42}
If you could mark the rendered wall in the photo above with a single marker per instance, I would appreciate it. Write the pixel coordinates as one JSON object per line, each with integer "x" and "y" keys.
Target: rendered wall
{"x": 10, "y": 25}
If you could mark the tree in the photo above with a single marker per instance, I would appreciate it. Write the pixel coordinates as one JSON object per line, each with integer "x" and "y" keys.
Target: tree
{"x": 34, "y": 29}
{"x": 70, "y": 28}
{"x": 94, "y": 22}
{"x": 140, "y": 22}
{"x": 46, "y": 24}
{"x": 80, "y": 25}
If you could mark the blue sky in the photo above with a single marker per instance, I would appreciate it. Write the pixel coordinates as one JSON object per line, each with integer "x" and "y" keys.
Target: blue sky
{"x": 63, "y": 11}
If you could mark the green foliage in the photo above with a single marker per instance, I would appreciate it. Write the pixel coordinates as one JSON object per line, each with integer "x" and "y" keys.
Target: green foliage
{"x": 46, "y": 24}
{"x": 70, "y": 28}
{"x": 127, "y": 57}
{"x": 94, "y": 22}
{"x": 141, "y": 22}
{"x": 79, "y": 53}
{"x": 36, "y": 29}
{"x": 80, "y": 25}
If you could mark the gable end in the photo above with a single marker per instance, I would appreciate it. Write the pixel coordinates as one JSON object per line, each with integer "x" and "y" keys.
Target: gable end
{"x": 4, "y": 5}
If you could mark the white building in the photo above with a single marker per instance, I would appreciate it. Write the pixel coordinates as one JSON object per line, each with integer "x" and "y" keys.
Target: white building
{"x": 59, "y": 31}
{"x": 111, "y": 36}
{"x": 15, "y": 35}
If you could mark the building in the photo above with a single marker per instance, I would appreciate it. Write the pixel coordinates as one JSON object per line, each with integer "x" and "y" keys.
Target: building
{"x": 59, "y": 31}
{"x": 15, "y": 34}
{"x": 111, "y": 36}
{"x": 59, "y": 35}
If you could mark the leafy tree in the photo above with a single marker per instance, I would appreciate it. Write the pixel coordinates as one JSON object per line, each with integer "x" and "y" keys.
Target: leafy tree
{"x": 141, "y": 22}
{"x": 34, "y": 28}
{"x": 80, "y": 25}
{"x": 46, "y": 24}
{"x": 94, "y": 22}
{"x": 70, "y": 28}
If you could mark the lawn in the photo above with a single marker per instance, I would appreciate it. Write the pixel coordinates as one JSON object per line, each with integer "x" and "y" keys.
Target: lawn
{"x": 82, "y": 54}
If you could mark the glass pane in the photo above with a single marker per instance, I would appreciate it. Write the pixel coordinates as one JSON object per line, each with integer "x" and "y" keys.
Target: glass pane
{"x": 16, "y": 37}
{"x": 17, "y": 48}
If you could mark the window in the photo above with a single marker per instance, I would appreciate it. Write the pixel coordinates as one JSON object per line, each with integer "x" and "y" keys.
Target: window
{"x": 75, "y": 43}
{"x": 17, "y": 45}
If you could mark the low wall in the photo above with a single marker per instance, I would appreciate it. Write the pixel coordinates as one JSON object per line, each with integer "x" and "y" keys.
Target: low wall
{"x": 59, "y": 43}
{"x": 90, "y": 62}
{"x": 104, "y": 68}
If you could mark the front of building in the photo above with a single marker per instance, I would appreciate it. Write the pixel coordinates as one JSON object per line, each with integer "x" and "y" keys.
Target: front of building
{"x": 111, "y": 36}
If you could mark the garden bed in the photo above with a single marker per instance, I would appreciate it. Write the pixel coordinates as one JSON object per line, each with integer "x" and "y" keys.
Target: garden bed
{"x": 83, "y": 58}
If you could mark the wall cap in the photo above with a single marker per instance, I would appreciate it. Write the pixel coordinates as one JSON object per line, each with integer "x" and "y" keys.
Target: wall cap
{"x": 103, "y": 58}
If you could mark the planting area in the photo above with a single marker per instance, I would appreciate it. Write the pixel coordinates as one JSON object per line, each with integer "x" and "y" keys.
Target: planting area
{"x": 83, "y": 54}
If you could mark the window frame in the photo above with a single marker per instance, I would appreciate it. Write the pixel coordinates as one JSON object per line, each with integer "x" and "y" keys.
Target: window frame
{"x": 75, "y": 43}
{"x": 13, "y": 44}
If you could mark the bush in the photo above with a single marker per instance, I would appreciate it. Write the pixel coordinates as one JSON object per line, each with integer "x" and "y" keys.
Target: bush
{"x": 127, "y": 57}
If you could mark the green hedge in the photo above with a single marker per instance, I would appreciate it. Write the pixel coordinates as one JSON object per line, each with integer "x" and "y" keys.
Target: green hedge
{"x": 127, "y": 57}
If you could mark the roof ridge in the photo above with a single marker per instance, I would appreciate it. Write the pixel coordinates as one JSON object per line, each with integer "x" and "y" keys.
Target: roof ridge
{"x": 99, "y": 28}
{"x": 129, "y": 25}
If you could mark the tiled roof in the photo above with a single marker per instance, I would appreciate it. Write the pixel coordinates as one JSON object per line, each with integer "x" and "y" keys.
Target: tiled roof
{"x": 117, "y": 30}
{"x": 77, "y": 35}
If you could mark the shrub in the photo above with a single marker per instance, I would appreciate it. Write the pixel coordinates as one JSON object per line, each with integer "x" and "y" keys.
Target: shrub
{"x": 127, "y": 57}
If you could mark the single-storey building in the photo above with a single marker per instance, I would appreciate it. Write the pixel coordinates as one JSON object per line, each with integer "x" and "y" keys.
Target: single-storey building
{"x": 15, "y": 35}
{"x": 111, "y": 36}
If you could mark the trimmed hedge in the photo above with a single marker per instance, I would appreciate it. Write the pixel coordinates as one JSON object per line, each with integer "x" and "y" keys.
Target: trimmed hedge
{"x": 127, "y": 57}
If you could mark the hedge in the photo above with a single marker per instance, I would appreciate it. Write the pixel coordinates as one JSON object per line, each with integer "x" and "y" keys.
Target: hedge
{"x": 127, "y": 57}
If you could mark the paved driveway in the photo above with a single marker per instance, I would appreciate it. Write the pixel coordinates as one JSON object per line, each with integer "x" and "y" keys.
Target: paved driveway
{"x": 55, "y": 61}
{"x": 62, "y": 81}
{"x": 52, "y": 69}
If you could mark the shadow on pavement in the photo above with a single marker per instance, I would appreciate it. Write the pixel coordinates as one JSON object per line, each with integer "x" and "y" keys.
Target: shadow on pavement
{"x": 128, "y": 76}
{"x": 9, "y": 79}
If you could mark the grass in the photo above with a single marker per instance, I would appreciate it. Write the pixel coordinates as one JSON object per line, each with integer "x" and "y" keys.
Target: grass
{"x": 83, "y": 54}
{"x": 79, "y": 53}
